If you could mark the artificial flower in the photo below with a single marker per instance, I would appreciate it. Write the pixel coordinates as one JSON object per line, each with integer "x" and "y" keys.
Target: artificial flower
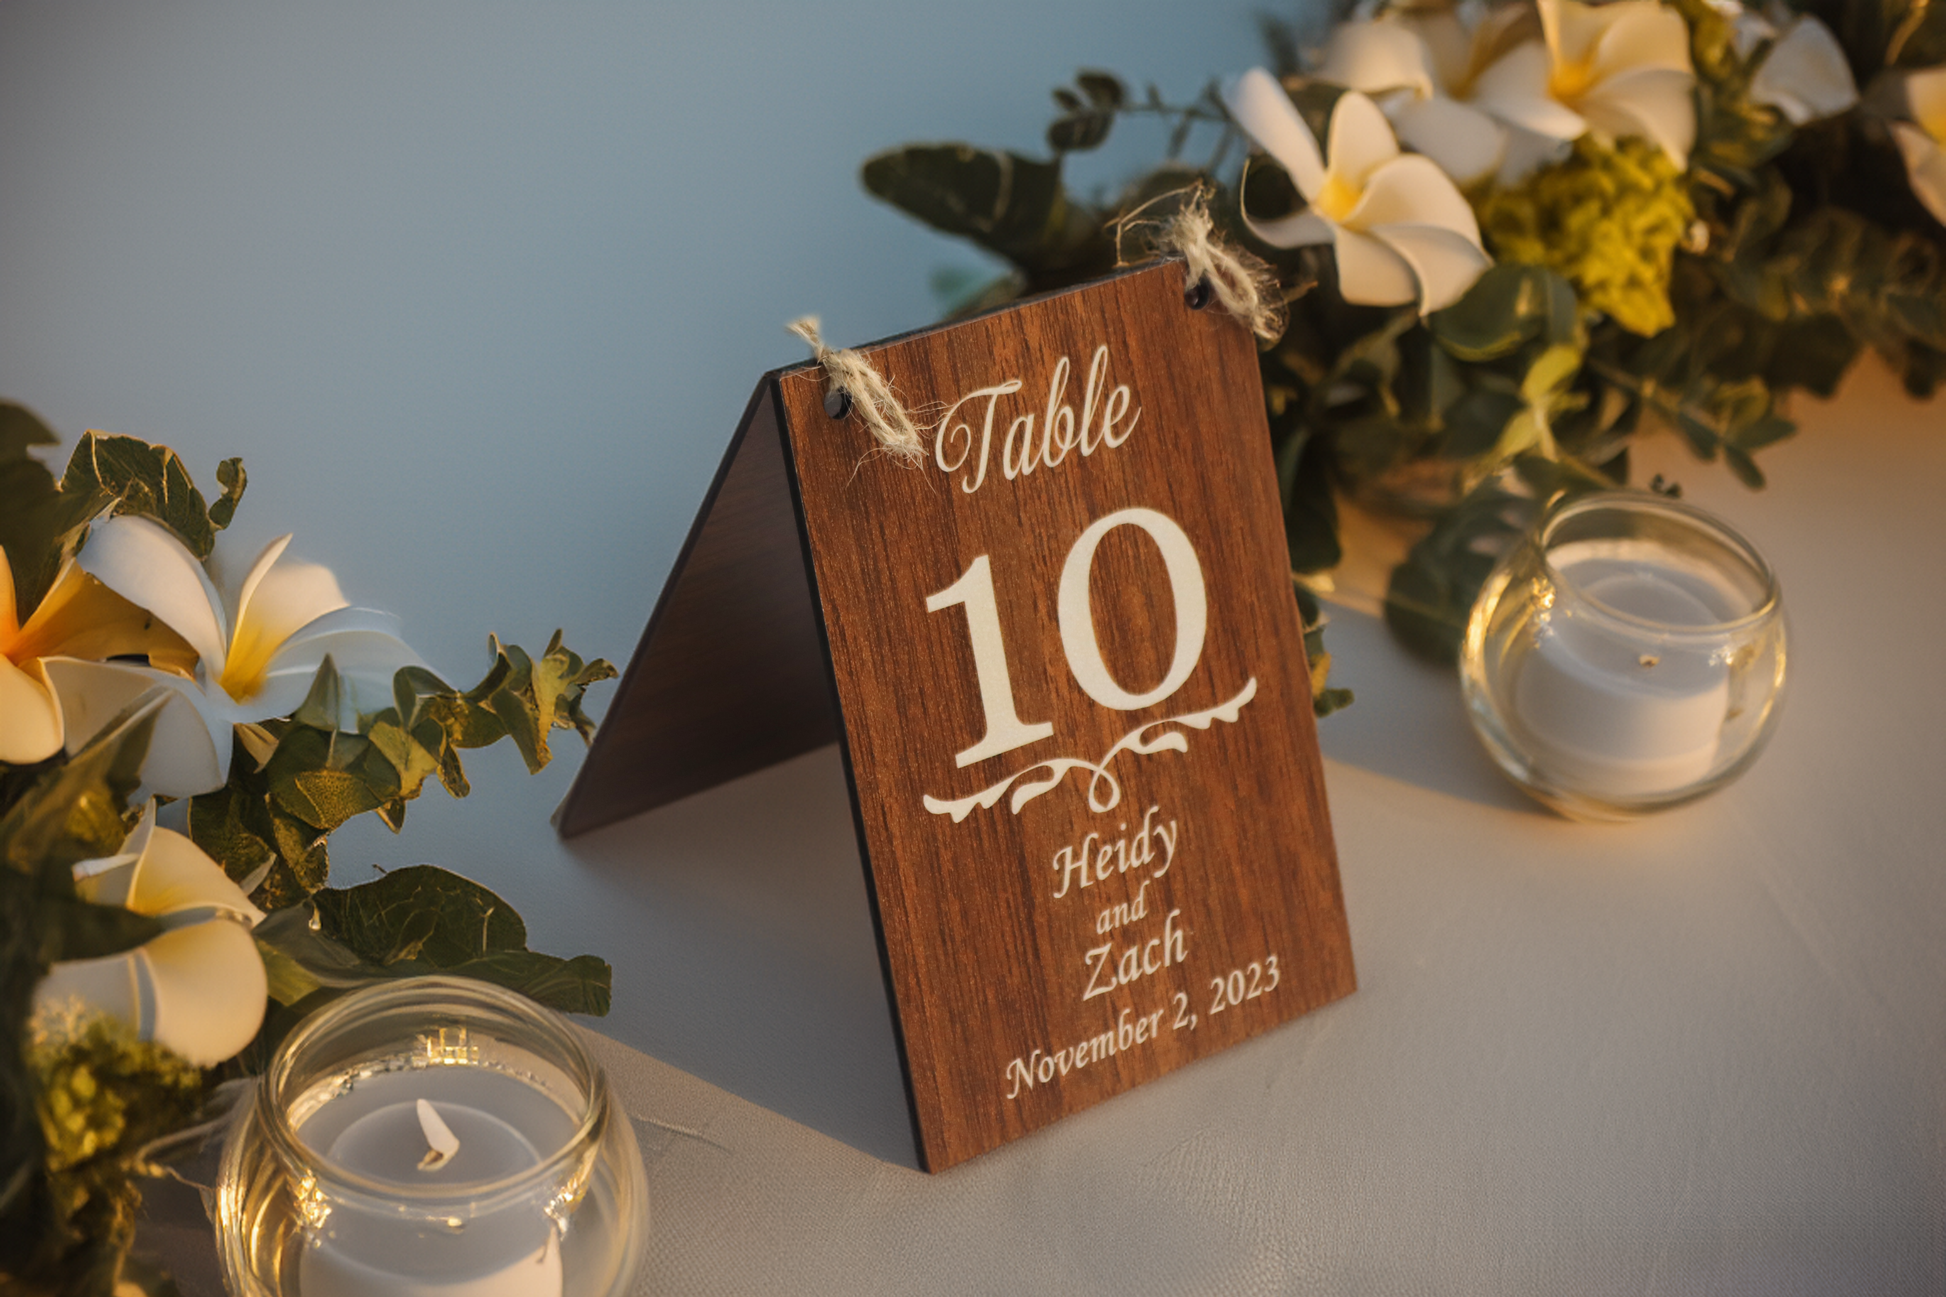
{"x": 1399, "y": 229}
{"x": 257, "y": 651}
{"x": 80, "y": 618}
{"x": 1920, "y": 96}
{"x": 199, "y": 987}
{"x": 1805, "y": 75}
{"x": 1420, "y": 66}
{"x": 1615, "y": 70}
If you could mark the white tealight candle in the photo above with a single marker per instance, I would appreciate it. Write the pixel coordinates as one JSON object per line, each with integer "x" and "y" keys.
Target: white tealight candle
{"x": 433, "y": 1128}
{"x": 1608, "y": 714}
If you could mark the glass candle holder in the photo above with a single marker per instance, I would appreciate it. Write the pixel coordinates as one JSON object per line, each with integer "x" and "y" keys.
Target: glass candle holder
{"x": 431, "y": 1137}
{"x": 1627, "y": 656}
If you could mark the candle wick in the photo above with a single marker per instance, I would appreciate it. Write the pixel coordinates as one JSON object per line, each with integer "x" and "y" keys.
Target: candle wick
{"x": 441, "y": 1143}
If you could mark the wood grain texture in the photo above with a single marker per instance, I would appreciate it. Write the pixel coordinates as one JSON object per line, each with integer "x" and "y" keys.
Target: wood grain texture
{"x": 730, "y": 675}
{"x": 986, "y": 963}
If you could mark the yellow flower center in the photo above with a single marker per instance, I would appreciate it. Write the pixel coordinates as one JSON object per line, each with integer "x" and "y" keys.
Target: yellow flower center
{"x": 1337, "y": 198}
{"x": 248, "y": 662}
{"x": 1571, "y": 79}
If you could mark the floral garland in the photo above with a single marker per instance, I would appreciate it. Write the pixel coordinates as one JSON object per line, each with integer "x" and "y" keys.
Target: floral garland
{"x": 179, "y": 736}
{"x": 1512, "y": 236}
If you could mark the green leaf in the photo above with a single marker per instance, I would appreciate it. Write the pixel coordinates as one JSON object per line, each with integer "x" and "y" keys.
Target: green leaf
{"x": 32, "y": 523}
{"x": 327, "y": 798}
{"x": 21, "y": 430}
{"x": 41, "y": 523}
{"x": 231, "y": 477}
{"x": 1006, "y": 203}
{"x": 76, "y": 929}
{"x": 425, "y": 919}
{"x": 316, "y": 777}
{"x": 1430, "y": 595}
{"x": 1744, "y": 467}
{"x": 413, "y": 759}
{"x": 578, "y": 985}
{"x": 421, "y": 912}
{"x": 532, "y": 697}
{"x": 1325, "y": 699}
{"x": 322, "y": 705}
{"x": 1310, "y": 510}
{"x": 1506, "y": 308}
{"x": 303, "y": 861}
{"x": 1104, "y": 89}
{"x": 134, "y": 477}
{"x": 1475, "y": 421}
{"x": 1079, "y": 131}
{"x": 77, "y": 811}
{"x": 231, "y": 828}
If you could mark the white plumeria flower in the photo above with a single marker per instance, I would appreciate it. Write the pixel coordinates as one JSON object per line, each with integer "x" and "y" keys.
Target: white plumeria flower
{"x": 256, "y": 652}
{"x": 1614, "y": 69}
{"x": 1921, "y": 96}
{"x": 1399, "y": 229}
{"x": 78, "y": 617}
{"x": 199, "y": 988}
{"x": 1805, "y": 75}
{"x": 1420, "y": 68}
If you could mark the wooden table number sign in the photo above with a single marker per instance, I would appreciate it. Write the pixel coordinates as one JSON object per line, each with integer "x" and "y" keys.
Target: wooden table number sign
{"x": 1064, "y": 663}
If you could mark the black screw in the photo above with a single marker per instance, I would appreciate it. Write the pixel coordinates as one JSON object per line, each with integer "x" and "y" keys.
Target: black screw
{"x": 1199, "y": 294}
{"x": 837, "y": 404}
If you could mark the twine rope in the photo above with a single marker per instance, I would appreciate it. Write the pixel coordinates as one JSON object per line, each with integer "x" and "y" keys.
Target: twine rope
{"x": 1243, "y": 283}
{"x": 848, "y": 372}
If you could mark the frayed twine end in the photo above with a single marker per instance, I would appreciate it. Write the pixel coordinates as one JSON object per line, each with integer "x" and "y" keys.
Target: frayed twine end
{"x": 848, "y": 371}
{"x": 1243, "y": 283}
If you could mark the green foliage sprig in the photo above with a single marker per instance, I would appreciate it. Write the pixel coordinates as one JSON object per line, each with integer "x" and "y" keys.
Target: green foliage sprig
{"x": 1628, "y": 294}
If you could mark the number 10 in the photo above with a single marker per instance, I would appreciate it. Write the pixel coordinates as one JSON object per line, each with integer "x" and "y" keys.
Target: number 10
{"x": 1005, "y": 731}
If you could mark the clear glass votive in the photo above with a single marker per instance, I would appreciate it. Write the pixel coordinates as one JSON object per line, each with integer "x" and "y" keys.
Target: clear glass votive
{"x": 1627, "y": 656}
{"x": 431, "y": 1137}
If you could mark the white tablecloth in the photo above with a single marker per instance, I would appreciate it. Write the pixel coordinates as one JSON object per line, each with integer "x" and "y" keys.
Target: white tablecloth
{"x": 1702, "y": 1053}
{"x": 478, "y": 293}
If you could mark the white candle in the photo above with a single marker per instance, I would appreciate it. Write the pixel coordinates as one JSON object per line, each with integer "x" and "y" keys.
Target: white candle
{"x": 483, "y": 1126}
{"x": 1627, "y": 715}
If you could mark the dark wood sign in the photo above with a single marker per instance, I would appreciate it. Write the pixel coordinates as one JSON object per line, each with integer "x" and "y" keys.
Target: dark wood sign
{"x": 1065, "y": 664}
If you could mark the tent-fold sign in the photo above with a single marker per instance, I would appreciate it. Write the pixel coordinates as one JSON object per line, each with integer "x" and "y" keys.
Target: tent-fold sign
{"x": 1064, "y": 662}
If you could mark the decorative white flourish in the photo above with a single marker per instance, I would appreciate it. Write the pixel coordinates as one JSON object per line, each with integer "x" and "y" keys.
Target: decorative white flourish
{"x": 1135, "y": 741}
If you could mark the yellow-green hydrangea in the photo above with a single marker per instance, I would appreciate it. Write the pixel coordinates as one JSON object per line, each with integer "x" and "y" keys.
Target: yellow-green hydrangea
{"x": 1608, "y": 219}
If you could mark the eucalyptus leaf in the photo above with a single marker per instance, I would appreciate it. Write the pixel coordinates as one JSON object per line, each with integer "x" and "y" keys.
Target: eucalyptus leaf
{"x": 1104, "y": 89}
{"x": 233, "y": 829}
{"x": 1009, "y": 204}
{"x": 420, "y": 912}
{"x": 1080, "y": 130}
{"x": 578, "y": 985}
{"x": 425, "y": 919}
{"x": 1508, "y": 307}
{"x": 75, "y": 929}
{"x": 231, "y": 477}
{"x": 29, "y": 525}
{"x": 132, "y": 476}
{"x": 1325, "y": 699}
{"x": 78, "y": 811}
{"x": 1430, "y": 595}
{"x": 1475, "y": 421}
{"x": 299, "y": 959}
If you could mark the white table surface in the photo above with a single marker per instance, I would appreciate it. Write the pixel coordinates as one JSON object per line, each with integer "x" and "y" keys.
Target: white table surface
{"x": 478, "y": 292}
